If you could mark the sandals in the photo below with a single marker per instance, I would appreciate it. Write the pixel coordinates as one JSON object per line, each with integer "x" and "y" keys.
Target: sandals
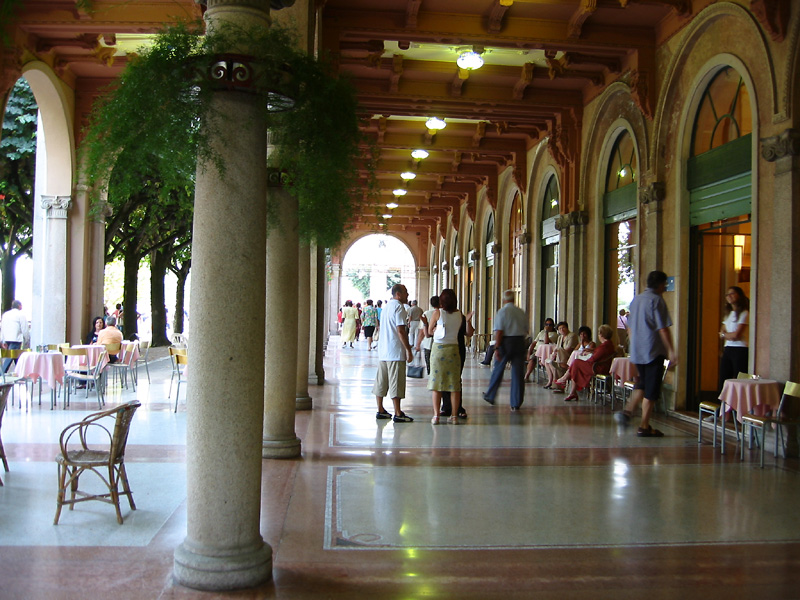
{"x": 435, "y": 421}
{"x": 383, "y": 415}
{"x": 462, "y": 414}
{"x": 571, "y": 397}
{"x": 452, "y": 420}
{"x": 402, "y": 418}
{"x": 649, "y": 432}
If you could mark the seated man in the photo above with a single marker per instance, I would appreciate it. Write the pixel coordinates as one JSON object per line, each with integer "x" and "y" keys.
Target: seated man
{"x": 110, "y": 335}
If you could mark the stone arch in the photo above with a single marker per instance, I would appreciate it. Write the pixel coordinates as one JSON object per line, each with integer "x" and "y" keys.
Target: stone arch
{"x": 343, "y": 250}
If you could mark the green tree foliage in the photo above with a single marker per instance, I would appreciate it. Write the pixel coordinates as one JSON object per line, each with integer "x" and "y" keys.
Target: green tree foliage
{"x": 361, "y": 281}
{"x": 17, "y": 166}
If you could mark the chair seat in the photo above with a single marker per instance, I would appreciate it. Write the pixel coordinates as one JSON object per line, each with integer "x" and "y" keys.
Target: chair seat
{"x": 709, "y": 405}
{"x": 756, "y": 419}
{"x": 86, "y": 458}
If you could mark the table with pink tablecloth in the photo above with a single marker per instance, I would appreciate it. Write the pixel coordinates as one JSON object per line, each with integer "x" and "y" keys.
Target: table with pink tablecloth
{"x": 47, "y": 365}
{"x": 93, "y": 352}
{"x": 622, "y": 369}
{"x": 756, "y": 396}
{"x": 544, "y": 351}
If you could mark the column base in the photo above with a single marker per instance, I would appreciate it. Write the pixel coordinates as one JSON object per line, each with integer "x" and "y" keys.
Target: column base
{"x": 280, "y": 448}
{"x": 231, "y": 572}
{"x": 302, "y": 403}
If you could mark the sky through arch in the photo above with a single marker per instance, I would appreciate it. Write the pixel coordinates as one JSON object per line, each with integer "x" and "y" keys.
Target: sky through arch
{"x": 373, "y": 264}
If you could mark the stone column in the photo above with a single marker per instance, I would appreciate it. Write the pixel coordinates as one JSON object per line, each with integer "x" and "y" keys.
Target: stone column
{"x": 316, "y": 370}
{"x": 334, "y": 298}
{"x": 49, "y": 313}
{"x": 223, "y": 548}
{"x": 573, "y": 278}
{"x": 304, "y": 303}
{"x": 651, "y": 199}
{"x": 524, "y": 239}
{"x": 423, "y": 287}
{"x": 279, "y": 439}
{"x": 784, "y": 298}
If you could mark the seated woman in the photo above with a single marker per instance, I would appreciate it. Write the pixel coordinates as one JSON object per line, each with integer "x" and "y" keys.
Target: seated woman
{"x": 548, "y": 335}
{"x": 99, "y": 324}
{"x": 585, "y": 345}
{"x": 556, "y": 363}
{"x": 598, "y": 362}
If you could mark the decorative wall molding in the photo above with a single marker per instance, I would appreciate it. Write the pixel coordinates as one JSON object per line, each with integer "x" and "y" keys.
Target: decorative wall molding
{"x": 457, "y": 262}
{"x": 474, "y": 255}
{"x": 781, "y": 145}
{"x": 572, "y": 219}
{"x": 654, "y": 192}
{"x": 56, "y": 207}
{"x": 496, "y": 248}
{"x": 276, "y": 178}
{"x": 524, "y": 238}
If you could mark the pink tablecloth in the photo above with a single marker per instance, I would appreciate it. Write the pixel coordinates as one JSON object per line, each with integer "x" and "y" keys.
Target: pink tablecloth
{"x": 47, "y": 365}
{"x": 755, "y": 396}
{"x": 544, "y": 351}
{"x": 93, "y": 352}
{"x": 624, "y": 370}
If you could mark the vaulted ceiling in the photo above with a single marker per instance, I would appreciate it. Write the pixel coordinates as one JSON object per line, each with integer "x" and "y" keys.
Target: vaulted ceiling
{"x": 544, "y": 60}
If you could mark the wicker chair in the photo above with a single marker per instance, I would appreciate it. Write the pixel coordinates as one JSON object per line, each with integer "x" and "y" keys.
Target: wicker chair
{"x": 73, "y": 462}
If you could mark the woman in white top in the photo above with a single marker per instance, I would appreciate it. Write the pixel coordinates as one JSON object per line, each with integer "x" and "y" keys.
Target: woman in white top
{"x": 445, "y": 373}
{"x": 734, "y": 332}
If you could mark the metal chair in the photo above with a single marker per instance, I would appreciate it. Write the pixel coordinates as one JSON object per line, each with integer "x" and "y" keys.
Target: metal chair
{"x": 73, "y": 462}
{"x": 181, "y": 362}
{"x": 711, "y": 403}
{"x": 125, "y": 365}
{"x": 93, "y": 376}
{"x": 3, "y": 401}
{"x": 173, "y": 352}
{"x": 788, "y": 413}
{"x": 144, "y": 350}
{"x": 6, "y": 354}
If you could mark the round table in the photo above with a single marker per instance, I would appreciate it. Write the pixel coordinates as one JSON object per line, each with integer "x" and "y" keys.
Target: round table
{"x": 755, "y": 396}
{"x": 544, "y": 351}
{"x": 622, "y": 369}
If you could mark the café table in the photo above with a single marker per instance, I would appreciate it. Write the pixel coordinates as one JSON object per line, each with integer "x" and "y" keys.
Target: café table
{"x": 622, "y": 369}
{"x": 47, "y": 366}
{"x": 93, "y": 352}
{"x": 755, "y": 396}
{"x": 544, "y": 351}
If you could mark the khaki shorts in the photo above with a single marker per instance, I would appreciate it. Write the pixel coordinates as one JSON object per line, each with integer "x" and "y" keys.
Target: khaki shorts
{"x": 391, "y": 379}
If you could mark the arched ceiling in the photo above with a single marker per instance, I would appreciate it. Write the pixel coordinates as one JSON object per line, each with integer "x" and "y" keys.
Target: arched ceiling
{"x": 544, "y": 60}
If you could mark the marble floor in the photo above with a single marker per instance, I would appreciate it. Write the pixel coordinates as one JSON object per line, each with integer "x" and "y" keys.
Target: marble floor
{"x": 555, "y": 501}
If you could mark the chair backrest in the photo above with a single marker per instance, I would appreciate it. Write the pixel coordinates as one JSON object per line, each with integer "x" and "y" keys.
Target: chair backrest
{"x": 181, "y": 359}
{"x": 113, "y": 348}
{"x": 52, "y": 346}
{"x": 745, "y": 376}
{"x": 175, "y": 351}
{"x": 62, "y": 347}
{"x": 144, "y": 350}
{"x": 789, "y": 408}
{"x": 5, "y": 353}
{"x": 122, "y": 427}
{"x": 3, "y": 402}
{"x": 74, "y": 352}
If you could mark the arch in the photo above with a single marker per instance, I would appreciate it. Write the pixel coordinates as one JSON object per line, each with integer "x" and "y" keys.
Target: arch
{"x": 408, "y": 273}
{"x": 359, "y": 235}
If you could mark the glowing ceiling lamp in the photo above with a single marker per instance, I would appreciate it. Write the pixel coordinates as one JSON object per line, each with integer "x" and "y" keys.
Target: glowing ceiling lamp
{"x": 387, "y": 216}
{"x": 399, "y": 192}
{"x": 469, "y": 60}
{"x": 419, "y": 154}
{"x": 392, "y": 205}
{"x": 408, "y": 175}
{"x": 435, "y": 124}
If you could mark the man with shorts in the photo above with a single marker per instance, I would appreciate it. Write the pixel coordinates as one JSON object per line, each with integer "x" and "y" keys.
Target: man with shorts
{"x": 650, "y": 344}
{"x": 394, "y": 352}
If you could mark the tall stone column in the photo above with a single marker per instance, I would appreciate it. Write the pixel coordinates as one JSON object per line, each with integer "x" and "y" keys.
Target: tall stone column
{"x": 304, "y": 302}
{"x": 651, "y": 199}
{"x": 315, "y": 367}
{"x": 423, "y": 286}
{"x": 524, "y": 239}
{"x": 335, "y": 300}
{"x": 49, "y": 313}
{"x": 279, "y": 439}
{"x": 223, "y": 548}
{"x": 572, "y": 279}
{"x": 784, "y": 357}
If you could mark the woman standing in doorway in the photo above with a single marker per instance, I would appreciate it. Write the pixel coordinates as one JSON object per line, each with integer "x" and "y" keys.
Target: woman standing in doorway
{"x": 734, "y": 332}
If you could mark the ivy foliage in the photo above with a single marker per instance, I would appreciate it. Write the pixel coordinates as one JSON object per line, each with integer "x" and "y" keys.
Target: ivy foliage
{"x": 159, "y": 117}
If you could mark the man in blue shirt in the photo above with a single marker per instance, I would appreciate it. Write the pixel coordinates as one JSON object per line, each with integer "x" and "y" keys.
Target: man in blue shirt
{"x": 510, "y": 329}
{"x": 650, "y": 344}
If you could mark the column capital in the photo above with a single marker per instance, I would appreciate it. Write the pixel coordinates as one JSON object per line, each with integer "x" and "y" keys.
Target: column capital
{"x": 525, "y": 238}
{"x": 571, "y": 220}
{"x": 495, "y": 248}
{"x": 445, "y": 266}
{"x": 457, "y": 261}
{"x": 261, "y": 4}
{"x": 422, "y": 270}
{"x": 276, "y": 178}
{"x": 652, "y": 196}
{"x": 474, "y": 255}
{"x": 781, "y": 145}
{"x": 56, "y": 207}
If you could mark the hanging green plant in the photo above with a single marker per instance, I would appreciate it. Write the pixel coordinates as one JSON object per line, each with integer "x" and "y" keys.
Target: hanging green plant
{"x": 158, "y": 117}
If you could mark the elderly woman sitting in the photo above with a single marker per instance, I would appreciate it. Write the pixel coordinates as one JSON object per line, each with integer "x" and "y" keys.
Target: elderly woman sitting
{"x": 556, "y": 363}
{"x": 598, "y": 362}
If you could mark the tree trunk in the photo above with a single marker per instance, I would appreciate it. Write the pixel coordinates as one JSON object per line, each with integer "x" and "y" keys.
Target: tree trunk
{"x": 180, "y": 296}
{"x": 159, "y": 261}
{"x": 130, "y": 290}
{"x": 8, "y": 263}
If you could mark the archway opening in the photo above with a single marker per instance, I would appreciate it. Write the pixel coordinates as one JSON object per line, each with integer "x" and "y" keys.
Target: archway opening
{"x": 373, "y": 264}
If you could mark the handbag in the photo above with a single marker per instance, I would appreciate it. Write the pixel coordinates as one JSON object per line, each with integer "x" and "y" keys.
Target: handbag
{"x": 414, "y": 370}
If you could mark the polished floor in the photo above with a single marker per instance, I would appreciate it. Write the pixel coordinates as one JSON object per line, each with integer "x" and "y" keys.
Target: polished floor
{"x": 555, "y": 501}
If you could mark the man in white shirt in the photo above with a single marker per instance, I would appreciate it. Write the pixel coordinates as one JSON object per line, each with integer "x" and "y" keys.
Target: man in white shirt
{"x": 394, "y": 352}
{"x": 510, "y": 329}
{"x": 14, "y": 331}
{"x": 414, "y": 316}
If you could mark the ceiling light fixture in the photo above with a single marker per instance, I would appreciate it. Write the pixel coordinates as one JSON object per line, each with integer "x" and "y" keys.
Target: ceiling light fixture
{"x": 392, "y": 205}
{"x": 469, "y": 60}
{"x": 387, "y": 216}
{"x": 399, "y": 192}
{"x": 435, "y": 124}
{"x": 419, "y": 154}
{"x": 407, "y": 175}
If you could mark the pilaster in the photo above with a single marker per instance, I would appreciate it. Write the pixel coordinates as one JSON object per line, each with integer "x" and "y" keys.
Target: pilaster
{"x": 49, "y": 313}
{"x": 651, "y": 239}
{"x": 572, "y": 271}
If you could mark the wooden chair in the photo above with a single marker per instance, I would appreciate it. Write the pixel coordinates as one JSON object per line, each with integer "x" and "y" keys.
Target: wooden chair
{"x": 788, "y": 413}
{"x": 3, "y": 401}
{"x": 93, "y": 376}
{"x": 181, "y": 361}
{"x": 173, "y": 352}
{"x": 106, "y": 455}
{"x": 144, "y": 350}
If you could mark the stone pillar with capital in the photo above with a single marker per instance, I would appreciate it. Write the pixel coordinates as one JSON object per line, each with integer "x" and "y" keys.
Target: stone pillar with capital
{"x": 524, "y": 240}
{"x": 783, "y": 151}
{"x": 334, "y": 298}
{"x": 572, "y": 266}
{"x": 223, "y": 548}
{"x": 49, "y": 312}
{"x": 423, "y": 287}
{"x": 651, "y": 201}
{"x": 316, "y": 370}
{"x": 304, "y": 302}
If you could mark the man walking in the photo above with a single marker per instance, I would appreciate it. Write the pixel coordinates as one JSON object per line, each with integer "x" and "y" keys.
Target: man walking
{"x": 394, "y": 352}
{"x": 510, "y": 329}
{"x": 414, "y": 316}
{"x": 650, "y": 344}
{"x": 14, "y": 331}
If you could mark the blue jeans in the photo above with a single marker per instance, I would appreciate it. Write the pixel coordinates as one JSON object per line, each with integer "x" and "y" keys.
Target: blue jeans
{"x": 7, "y": 362}
{"x": 512, "y": 349}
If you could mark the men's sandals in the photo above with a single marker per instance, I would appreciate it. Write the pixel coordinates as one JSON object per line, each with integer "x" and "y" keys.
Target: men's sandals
{"x": 649, "y": 432}
{"x": 402, "y": 418}
{"x": 383, "y": 415}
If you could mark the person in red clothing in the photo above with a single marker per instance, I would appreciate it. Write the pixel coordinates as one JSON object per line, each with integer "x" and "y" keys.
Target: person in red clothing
{"x": 598, "y": 362}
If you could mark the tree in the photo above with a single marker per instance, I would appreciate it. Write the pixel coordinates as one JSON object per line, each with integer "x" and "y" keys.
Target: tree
{"x": 361, "y": 281}
{"x": 17, "y": 167}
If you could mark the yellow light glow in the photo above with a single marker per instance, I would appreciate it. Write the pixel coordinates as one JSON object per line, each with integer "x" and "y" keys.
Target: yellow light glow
{"x": 738, "y": 252}
{"x": 435, "y": 124}
{"x": 399, "y": 192}
{"x": 392, "y": 205}
{"x": 408, "y": 175}
{"x": 419, "y": 154}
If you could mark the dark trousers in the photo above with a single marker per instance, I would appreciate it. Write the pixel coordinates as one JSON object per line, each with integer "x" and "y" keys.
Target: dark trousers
{"x": 512, "y": 350}
{"x": 734, "y": 361}
{"x": 7, "y": 362}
